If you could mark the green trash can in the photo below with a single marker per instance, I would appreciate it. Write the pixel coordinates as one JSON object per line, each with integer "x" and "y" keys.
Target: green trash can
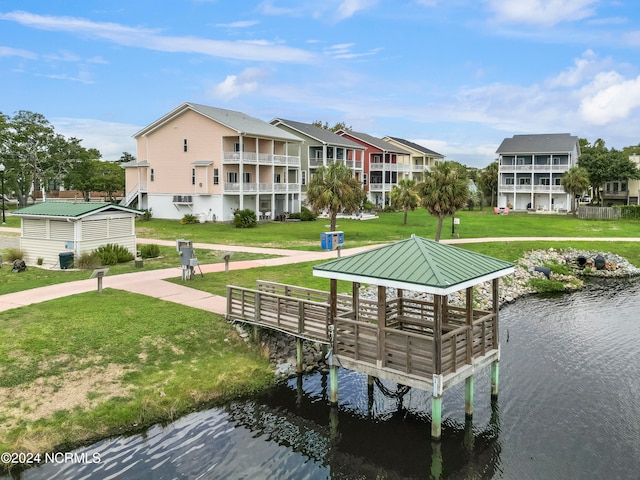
{"x": 66, "y": 260}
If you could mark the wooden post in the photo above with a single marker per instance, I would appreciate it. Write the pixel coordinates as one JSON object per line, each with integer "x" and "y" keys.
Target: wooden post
{"x": 495, "y": 369}
{"x": 400, "y": 305}
{"x": 355, "y": 300}
{"x": 370, "y": 391}
{"x": 437, "y": 333}
{"x": 299, "y": 357}
{"x": 468, "y": 397}
{"x": 333, "y": 300}
{"x": 436, "y": 417}
{"x": 382, "y": 311}
{"x": 333, "y": 385}
{"x": 469, "y": 322}
{"x": 496, "y": 306}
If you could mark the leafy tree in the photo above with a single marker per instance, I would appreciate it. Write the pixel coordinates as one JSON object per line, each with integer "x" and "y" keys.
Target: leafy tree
{"x": 488, "y": 181}
{"x": 575, "y": 181}
{"x": 444, "y": 191}
{"x": 28, "y": 142}
{"x": 337, "y": 126}
{"x": 109, "y": 178}
{"x": 81, "y": 176}
{"x": 404, "y": 196}
{"x": 605, "y": 165}
{"x": 126, "y": 157}
{"x": 334, "y": 188}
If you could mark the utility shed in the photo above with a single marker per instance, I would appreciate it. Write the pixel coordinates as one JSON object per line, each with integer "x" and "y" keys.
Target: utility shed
{"x": 51, "y": 228}
{"x": 417, "y": 339}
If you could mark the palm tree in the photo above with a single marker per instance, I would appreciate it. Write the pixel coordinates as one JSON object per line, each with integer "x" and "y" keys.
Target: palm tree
{"x": 575, "y": 181}
{"x": 404, "y": 196}
{"x": 335, "y": 189}
{"x": 444, "y": 191}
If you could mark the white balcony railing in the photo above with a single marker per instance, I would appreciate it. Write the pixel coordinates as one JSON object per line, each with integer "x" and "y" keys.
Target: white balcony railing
{"x": 234, "y": 187}
{"x": 389, "y": 167}
{"x": 260, "y": 159}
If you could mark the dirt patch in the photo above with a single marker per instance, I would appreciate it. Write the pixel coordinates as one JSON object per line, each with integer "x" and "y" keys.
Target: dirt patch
{"x": 44, "y": 396}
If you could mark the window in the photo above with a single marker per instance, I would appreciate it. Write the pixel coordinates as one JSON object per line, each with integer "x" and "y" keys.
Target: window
{"x": 545, "y": 181}
{"x": 236, "y": 147}
{"x": 184, "y": 145}
{"x": 364, "y": 178}
{"x": 524, "y": 181}
{"x": 276, "y": 178}
{"x": 508, "y": 181}
{"x": 246, "y": 177}
{"x": 304, "y": 177}
{"x": 193, "y": 176}
{"x": 216, "y": 176}
{"x": 152, "y": 175}
{"x": 376, "y": 159}
{"x": 232, "y": 177}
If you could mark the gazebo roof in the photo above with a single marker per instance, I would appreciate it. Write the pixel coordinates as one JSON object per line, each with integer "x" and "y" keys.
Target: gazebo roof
{"x": 69, "y": 209}
{"x": 417, "y": 264}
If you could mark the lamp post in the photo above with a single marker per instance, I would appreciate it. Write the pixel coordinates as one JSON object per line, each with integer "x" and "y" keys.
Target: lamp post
{"x": 2, "y": 167}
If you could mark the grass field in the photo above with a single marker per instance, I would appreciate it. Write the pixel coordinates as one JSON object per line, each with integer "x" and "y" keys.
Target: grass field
{"x": 389, "y": 227}
{"x": 84, "y": 367}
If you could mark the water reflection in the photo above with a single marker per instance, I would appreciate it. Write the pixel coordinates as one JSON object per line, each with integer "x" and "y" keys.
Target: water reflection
{"x": 568, "y": 408}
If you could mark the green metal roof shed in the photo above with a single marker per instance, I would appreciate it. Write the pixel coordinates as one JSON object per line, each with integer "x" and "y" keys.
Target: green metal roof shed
{"x": 417, "y": 264}
{"x": 51, "y": 228}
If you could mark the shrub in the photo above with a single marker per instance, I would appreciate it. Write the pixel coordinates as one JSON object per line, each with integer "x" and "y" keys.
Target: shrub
{"x": 87, "y": 261}
{"x": 189, "y": 219}
{"x": 145, "y": 216}
{"x": 14, "y": 254}
{"x": 110, "y": 254}
{"x": 244, "y": 218}
{"x": 150, "y": 250}
{"x": 307, "y": 215}
{"x": 559, "y": 268}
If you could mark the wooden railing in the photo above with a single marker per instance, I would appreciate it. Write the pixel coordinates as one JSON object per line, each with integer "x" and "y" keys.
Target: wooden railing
{"x": 301, "y": 318}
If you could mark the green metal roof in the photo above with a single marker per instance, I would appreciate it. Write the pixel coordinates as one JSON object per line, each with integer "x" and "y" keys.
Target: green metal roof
{"x": 69, "y": 209}
{"x": 417, "y": 264}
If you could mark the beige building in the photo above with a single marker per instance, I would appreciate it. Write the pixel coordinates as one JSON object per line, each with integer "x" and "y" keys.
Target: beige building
{"x": 622, "y": 192}
{"x": 209, "y": 161}
{"x": 49, "y": 229}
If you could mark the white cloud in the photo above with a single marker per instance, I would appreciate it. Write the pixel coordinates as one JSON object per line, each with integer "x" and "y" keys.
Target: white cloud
{"x": 348, "y": 8}
{"x": 612, "y": 98}
{"x": 153, "y": 40}
{"x": 236, "y": 85}
{"x": 15, "y": 52}
{"x": 238, "y": 24}
{"x": 541, "y": 12}
{"x": 110, "y": 138}
{"x": 583, "y": 67}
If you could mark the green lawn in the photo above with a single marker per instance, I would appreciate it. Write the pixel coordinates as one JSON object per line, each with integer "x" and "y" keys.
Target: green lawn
{"x": 389, "y": 227}
{"x": 137, "y": 360}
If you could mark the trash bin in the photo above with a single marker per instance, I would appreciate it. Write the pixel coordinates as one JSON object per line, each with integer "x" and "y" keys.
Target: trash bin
{"x": 66, "y": 260}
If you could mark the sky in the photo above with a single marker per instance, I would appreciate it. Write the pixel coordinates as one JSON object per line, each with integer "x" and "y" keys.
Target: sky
{"x": 456, "y": 76}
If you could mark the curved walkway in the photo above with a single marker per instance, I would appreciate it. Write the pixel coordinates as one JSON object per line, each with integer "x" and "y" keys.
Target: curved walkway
{"x": 152, "y": 282}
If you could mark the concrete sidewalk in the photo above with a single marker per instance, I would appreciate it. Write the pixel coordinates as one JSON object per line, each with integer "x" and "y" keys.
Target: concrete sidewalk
{"x": 152, "y": 283}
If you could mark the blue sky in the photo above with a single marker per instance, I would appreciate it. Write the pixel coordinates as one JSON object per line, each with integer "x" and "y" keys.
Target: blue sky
{"x": 457, "y": 76}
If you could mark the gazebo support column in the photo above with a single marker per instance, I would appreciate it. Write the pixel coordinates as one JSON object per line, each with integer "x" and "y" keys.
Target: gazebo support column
{"x": 436, "y": 417}
{"x": 495, "y": 366}
{"x": 468, "y": 397}
{"x": 333, "y": 369}
{"x": 468, "y": 386}
{"x": 333, "y": 385}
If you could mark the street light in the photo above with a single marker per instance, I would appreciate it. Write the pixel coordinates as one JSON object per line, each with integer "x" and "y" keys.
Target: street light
{"x": 2, "y": 176}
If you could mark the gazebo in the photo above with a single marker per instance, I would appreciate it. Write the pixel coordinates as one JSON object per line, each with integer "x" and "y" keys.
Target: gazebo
{"x": 412, "y": 334}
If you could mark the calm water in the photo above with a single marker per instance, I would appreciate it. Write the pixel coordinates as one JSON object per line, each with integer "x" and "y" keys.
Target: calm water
{"x": 569, "y": 408}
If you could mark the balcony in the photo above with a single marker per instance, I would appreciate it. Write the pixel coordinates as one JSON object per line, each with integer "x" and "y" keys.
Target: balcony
{"x": 381, "y": 187}
{"x": 388, "y": 167}
{"x": 252, "y": 158}
{"x": 250, "y": 188}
